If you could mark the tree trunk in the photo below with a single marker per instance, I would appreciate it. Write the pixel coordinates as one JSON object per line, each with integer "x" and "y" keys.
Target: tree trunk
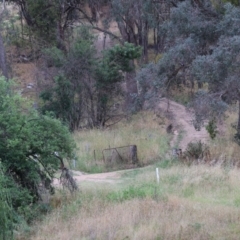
{"x": 238, "y": 125}
{"x": 3, "y": 64}
{"x": 133, "y": 154}
{"x": 60, "y": 37}
{"x": 4, "y": 4}
{"x": 93, "y": 12}
{"x": 122, "y": 30}
{"x": 131, "y": 88}
{"x": 145, "y": 43}
{"x": 200, "y": 85}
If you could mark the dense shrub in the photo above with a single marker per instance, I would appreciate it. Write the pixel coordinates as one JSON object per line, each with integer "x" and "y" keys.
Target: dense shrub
{"x": 196, "y": 150}
{"x": 28, "y": 146}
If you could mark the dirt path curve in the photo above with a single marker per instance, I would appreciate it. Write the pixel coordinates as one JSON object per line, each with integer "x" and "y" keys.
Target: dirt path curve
{"x": 184, "y": 132}
{"x": 181, "y": 119}
{"x": 108, "y": 177}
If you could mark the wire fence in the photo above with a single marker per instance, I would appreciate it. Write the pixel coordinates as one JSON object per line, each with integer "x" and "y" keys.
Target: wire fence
{"x": 120, "y": 155}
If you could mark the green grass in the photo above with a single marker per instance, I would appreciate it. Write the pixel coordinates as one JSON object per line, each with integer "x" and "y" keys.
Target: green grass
{"x": 196, "y": 183}
{"x": 195, "y": 202}
{"x": 141, "y": 130}
{"x": 189, "y": 202}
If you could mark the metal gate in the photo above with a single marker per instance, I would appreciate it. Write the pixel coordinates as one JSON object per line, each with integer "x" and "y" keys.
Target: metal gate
{"x": 121, "y": 155}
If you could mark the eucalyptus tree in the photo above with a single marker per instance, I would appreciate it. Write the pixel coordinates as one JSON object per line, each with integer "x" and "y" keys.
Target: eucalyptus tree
{"x": 3, "y": 61}
{"x": 136, "y": 19}
{"x": 202, "y": 45}
{"x": 190, "y": 31}
{"x": 51, "y": 20}
{"x": 84, "y": 86}
{"x": 220, "y": 69}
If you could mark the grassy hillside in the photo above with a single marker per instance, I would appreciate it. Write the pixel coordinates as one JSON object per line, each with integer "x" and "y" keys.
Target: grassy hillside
{"x": 143, "y": 130}
{"x": 190, "y": 202}
{"x": 224, "y": 149}
{"x": 194, "y": 202}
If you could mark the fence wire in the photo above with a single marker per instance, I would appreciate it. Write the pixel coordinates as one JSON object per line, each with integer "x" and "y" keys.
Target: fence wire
{"x": 121, "y": 155}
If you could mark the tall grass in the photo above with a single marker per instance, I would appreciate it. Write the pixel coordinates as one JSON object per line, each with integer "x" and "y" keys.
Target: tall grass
{"x": 6, "y": 209}
{"x": 224, "y": 149}
{"x": 141, "y": 130}
{"x": 194, "y": 202}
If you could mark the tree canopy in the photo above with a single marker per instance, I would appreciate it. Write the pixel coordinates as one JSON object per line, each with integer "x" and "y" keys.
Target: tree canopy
{"x": 203, "y": 47}
{"x": 84, "y": 86}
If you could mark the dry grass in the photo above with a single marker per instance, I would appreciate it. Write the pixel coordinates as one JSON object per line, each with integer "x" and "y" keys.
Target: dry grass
{"x": 196, "y": 202}
{"x": 189, "y": 203}
{"x": 142, "y": 130}
{"x": 223, "y": 149}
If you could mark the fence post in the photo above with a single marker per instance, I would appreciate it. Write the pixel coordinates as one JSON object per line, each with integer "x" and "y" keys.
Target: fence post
{"x": 74, "y": 163}
{"x": 94, "y": 153}
{"x": 134, "y": 157}
{"x": 157, "y": 175}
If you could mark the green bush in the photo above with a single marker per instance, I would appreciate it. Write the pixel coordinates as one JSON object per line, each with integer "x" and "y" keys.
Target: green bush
{"x": 196, "y": 150}
{"x": 212, "y": 128}
{"x": 6, "y": 209}
{"x": 86, "y": 86}
{"x": 28, "y": 146}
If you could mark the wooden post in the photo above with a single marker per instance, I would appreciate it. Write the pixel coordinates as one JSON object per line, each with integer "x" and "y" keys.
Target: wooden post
{"x": 94, "y": 153}
{"x": 133, "y": 154}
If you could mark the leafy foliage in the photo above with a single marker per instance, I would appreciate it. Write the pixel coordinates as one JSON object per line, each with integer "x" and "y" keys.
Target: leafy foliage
{"x": 43, "y": 15}
{"x": 203, "y": 47}
{"x": 119, "y": 57}
{"x": 85, "y": 85}
{"x": 49, "y": 21}
{"x": 212, "y": 128}
{"x": 136, "y": 19}
{"x": 6, "y": 209}
{"x": 28, "y": 146}
{"x": 196, "y": 150}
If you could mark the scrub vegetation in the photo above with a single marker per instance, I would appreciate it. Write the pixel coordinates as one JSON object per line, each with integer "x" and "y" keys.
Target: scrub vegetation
{"x": 81, "y": 79}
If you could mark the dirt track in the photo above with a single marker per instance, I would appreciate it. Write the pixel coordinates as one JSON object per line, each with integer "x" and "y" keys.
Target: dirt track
{"x": 181, "y": 120}
{"x": 108, "y": 177}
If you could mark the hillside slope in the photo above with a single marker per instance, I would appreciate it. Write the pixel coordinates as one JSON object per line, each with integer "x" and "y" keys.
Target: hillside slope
{"x": 181, "y": 119}
{"x": 184, "y": 133}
